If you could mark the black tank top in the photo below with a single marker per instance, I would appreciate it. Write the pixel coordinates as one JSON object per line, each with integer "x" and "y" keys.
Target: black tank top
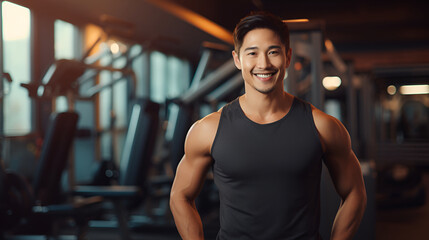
{"x": 268, "y": 175}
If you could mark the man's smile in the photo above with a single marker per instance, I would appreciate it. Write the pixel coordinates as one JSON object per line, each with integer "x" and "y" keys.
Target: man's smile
{"x": 265, "y": 76}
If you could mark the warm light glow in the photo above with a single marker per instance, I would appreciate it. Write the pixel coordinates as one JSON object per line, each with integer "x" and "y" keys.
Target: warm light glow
{"x": 331, "y": 83}
{"x": 16, "y": 22}
{"x": 195, "y": 19}
{"x": 91, "y": 33}
{"x": 296, "y": 20}
{"x": 328, "y": 44}
{"x": 298, "y": 66}
{"x": 114, "y": 47}
{"x": 391, "y": 90}
{"x": 414, "y": 89}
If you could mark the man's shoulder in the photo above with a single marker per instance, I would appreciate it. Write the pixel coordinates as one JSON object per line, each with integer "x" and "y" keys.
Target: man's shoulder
{"x": 319, "y": 115}
{"x": 202, "y": 133}
{"x": 323, "y": 119}
{"x": 207, "y": 125}
{"x": 209, "y": 122}
{"x": 331, "y": 130}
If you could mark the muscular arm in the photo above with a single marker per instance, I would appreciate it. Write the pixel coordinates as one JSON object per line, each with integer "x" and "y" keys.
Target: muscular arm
{"x": 346, "y": 175}
{"x": 190, "y": 177}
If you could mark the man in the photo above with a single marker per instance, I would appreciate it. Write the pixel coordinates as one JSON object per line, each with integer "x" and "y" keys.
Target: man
{"x": 266, "y": 149}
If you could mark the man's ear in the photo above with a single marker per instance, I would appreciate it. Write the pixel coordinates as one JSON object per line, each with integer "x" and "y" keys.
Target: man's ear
{"x": 288, "y": 57}
{"x": 236, "y": 59}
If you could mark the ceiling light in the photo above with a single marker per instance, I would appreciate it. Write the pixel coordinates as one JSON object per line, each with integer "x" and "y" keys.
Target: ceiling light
{"x": 331, "y": 82}
{"x": 414, "y": 89}
{"x": 391, "y": 90}
{"x": 296, "y": 20}
{"x": 114, "y": 47}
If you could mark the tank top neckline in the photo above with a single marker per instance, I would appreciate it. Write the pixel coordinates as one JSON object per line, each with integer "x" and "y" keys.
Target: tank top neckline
{"x": 243, "y": 114}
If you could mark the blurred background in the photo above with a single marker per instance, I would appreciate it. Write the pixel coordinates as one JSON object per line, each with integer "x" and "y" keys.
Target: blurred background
{"x": 132, "y": 76}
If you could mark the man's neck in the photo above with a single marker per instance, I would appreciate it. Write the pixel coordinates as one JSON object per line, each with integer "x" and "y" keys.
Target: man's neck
{"x": 264, "y": 108}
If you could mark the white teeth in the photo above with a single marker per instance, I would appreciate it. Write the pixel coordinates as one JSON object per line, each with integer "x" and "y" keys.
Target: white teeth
{"x": 264, "y": 75}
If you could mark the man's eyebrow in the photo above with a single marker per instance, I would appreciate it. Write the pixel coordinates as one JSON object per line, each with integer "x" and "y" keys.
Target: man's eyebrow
{"x": 250, "y": 48}
{"x": 274, "y": 46}
{"x": 270, "y": 47}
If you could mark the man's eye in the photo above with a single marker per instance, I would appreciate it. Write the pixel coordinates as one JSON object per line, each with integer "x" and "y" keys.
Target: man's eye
{"x": 273, "y": 52}
{"x": 251, "y": 53}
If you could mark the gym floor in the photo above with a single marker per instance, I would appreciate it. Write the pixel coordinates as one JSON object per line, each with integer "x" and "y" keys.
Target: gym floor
{"x": 169, "y": 233}
{"x": 407, "y": 223}
{"x": 392, "y": 224}
{"x": 111, "y": 235}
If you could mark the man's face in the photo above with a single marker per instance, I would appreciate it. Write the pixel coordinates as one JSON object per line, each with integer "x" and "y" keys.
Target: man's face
{"x": 263, "y": 60}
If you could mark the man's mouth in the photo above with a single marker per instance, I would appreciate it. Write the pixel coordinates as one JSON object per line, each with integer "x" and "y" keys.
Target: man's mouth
{"x": 264, "y": 75}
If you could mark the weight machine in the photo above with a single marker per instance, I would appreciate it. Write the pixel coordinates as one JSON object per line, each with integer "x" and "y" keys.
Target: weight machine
{"x": 66, "y": 77}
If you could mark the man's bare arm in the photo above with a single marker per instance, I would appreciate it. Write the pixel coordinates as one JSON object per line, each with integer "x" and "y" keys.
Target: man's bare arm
{"x": 346, "y": 175}
{"x": 190, "y": 177}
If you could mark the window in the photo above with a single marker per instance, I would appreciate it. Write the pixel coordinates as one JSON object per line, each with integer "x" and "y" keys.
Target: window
{"x": 170, "y": 76}
{"x": 158, "y": 76}
{"x": 140, "y": 66}
{"x": 16, "y": 55}
{"x": 113, "y": 102}
{"x": 65, "y": 48}
{"x": 65, "y": 40}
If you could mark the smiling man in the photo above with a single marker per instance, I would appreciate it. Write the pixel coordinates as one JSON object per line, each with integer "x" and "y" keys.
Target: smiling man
{"x": 266, "y": 150}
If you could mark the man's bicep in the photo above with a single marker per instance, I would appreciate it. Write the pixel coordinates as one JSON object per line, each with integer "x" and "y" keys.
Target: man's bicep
{"x": 190, "y": 176}
{"x": 193, "y": 167}
{"x": 345, "y": 172}
{"x": 340, "y": 159}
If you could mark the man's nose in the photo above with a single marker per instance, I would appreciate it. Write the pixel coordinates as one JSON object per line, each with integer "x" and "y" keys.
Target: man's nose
{"x": 263, "y": 62}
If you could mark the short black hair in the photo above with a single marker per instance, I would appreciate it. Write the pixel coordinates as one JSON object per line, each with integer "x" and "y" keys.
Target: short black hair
{"x": 260, "y": 19}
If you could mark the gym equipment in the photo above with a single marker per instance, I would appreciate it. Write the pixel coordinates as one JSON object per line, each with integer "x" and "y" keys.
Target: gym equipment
{"x": 400, "y": 186}
{"x": 185, "y": 110}
{"x": 8, "y": 78}
{"x": 63, "y": 77}
{"x": 15, "y": 199}
{"x": 42, "y": 205}
{"x": 226, "y": 92}
{"x": 135, "y": 162}
{"x": 182, "y": 113}
{"x": 304, "y": 76}
{"x": 106, "y": 174}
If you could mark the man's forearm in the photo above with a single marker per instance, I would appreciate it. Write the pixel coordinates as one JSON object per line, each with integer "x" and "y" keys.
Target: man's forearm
{"x": 187, "y": 219}
{"x": 348, "y": 217}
